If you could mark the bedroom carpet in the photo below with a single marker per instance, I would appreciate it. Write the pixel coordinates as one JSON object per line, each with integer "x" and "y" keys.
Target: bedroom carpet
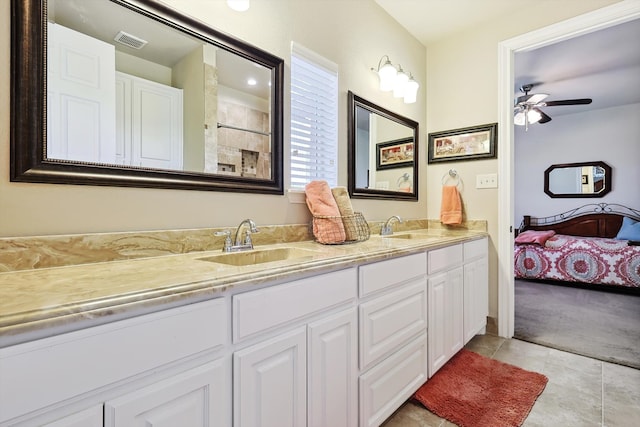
{"x": 593, "y": 323}
{"x": 472, "y": 390}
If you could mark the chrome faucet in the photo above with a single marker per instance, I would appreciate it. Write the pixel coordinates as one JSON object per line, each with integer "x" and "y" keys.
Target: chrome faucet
{"x": 386, "y": 229}
{"x": 239, "y": 243}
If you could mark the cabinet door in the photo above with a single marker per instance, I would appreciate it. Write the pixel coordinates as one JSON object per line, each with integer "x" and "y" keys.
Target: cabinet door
{"x": 333, "y": 371}
{"x": 156, "y": 125}
{"x": 198, "y": 397}
{"x": 270, "y": 382}
{"x": 476, "y": 298}
{"x": 91, "y": 417}
{"x": 80, "y": 97}
{"x": 391, "y": 382}
{"x": 445, "y": 317}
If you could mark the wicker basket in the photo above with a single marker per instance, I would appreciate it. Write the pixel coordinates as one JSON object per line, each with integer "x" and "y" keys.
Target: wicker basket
{"x": 328, "y": 230}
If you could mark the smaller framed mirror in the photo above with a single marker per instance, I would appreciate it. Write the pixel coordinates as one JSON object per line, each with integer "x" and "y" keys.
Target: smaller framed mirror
{"x": 578, "y": 180}
{"x": 383, "y": 152}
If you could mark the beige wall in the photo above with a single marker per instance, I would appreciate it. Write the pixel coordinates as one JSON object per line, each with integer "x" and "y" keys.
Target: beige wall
{"x": 461, "y": 90}
{"x": 356, "y": 39}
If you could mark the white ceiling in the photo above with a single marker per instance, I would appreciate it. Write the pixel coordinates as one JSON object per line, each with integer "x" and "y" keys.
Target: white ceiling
{"x": 103, "y": 19}
{"x": 604, "y": 65}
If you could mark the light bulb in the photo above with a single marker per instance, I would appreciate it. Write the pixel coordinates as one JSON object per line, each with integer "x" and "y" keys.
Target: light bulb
{"x": 411, "y": 91}
{"x": 400, "y": 83}
{"x": 387, "y": 74}
{"x": 533, "y": 116}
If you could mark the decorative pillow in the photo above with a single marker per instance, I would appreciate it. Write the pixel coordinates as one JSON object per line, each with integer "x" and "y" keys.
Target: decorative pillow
{"x": 535, "y": 237}
{"x": 630, "y": 230}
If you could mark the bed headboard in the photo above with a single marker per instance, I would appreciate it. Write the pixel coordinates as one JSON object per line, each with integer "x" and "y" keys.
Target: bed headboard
{"x": 592, "y": 220}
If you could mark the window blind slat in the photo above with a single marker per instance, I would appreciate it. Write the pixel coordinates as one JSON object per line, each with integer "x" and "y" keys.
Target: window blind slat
{"x": 313, "y": 118}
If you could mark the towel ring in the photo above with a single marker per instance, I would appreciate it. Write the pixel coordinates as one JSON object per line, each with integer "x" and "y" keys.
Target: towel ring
{"x": 452, "y": 174}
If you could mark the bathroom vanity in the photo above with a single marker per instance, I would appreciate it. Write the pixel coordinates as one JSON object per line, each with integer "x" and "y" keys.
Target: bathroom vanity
{"x": 321, "y": 336}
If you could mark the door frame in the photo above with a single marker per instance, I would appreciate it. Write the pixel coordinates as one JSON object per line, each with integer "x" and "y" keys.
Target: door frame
{"x": 624, "y": 11}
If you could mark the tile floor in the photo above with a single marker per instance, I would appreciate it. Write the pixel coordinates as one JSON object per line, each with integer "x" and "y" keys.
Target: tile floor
{"x": 581, "y": 392}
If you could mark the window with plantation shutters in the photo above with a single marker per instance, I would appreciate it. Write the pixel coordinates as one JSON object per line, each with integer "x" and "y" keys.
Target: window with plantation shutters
{"x": 314, "y": 118}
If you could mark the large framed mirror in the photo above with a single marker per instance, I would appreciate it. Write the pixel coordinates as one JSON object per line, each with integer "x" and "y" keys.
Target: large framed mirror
{"x": 578, "y": 180}
{"x": 133, "y": 93}
{"x": 383, "y": 152}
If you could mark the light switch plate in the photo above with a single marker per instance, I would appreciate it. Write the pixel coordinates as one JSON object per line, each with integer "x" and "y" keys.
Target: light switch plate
{"x": 489, "y": 180}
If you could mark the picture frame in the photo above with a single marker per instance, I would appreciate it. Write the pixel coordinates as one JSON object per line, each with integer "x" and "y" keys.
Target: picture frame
{"x": 469, "y": 143}
{"x": 398, "y": 153}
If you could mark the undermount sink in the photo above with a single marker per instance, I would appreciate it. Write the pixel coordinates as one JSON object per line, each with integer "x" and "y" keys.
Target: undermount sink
{"x": 416, "y": 236}
{"x": 259, "y": 256}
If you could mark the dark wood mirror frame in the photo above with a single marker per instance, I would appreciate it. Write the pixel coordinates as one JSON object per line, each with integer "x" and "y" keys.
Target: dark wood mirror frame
{"x": 354, "y": 101}
{"x": 607, "y": 182}
{"x": 28, "y": 112}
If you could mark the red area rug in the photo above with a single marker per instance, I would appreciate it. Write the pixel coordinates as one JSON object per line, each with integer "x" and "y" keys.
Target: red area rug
{"x": 474, "y": 391}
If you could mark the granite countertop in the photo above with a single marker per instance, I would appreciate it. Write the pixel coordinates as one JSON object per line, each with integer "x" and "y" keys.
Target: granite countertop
{"x": 39, "y": 302}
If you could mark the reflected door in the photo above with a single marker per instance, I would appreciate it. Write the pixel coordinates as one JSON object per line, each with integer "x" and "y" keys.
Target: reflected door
{"x": 80, "y": 95}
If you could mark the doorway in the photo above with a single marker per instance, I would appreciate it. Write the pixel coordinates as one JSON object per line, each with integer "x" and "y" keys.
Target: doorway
{"x": 601, "y": 18}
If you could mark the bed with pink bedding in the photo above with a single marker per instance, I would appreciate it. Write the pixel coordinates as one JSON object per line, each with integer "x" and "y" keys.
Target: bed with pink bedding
{"x": 591, "y": 245}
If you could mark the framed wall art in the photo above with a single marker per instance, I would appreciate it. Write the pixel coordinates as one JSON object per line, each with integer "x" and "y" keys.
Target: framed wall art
{"x": 394, "y": 154}
{"x": 470, "y": 143}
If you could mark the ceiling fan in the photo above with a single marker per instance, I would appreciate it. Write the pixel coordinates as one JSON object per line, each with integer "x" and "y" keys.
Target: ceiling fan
{"x": 527, "y": 109}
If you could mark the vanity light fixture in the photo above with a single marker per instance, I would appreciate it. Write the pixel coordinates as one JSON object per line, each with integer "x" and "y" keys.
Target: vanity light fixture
{"x": 397, "y": 80}
{"x": 411, "y": 90}
{"x": 239, "y": 5}
{"x": 387, "y": 73}
{"x": 401, "y": 82}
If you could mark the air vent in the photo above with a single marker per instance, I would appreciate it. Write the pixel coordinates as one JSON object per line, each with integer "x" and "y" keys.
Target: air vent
{"x": 130, "y": 40}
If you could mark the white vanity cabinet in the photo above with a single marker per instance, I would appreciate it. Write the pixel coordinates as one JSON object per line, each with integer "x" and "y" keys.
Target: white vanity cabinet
{"x": 164, "y": 362}
{"x": 458, "y": 298}
{"x": 392, "y": 334}
{"x": 445, "y": 305}
{"x": 193, "y": 398}
{"x": 90, "y": 417}
{"x": 476, "y": 287}
{"x": 342, "y": 348}
{"x": 301, "y": 366}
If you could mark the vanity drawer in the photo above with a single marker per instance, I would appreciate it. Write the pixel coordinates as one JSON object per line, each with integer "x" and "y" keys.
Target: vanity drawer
{"x": 390, "y": 320}
{"x": 50, "y": 370}
{"x": 393, "y": 381}
{"x": 444, "y": 258}
{"x": 267, "y": 308}
{"x": 384, "y": 274}
{"x": 475, "y": 249}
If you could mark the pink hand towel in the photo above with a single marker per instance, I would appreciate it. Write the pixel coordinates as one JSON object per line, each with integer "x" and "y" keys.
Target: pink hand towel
{"x": 451, "y": 208}
{"x": 321, "y": 203}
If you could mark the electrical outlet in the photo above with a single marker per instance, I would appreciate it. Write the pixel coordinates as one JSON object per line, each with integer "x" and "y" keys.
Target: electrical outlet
{"x": 489, "y": 180}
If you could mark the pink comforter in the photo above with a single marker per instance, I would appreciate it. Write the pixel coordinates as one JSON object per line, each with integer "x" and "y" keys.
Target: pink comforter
{"x": 580, "y": 259}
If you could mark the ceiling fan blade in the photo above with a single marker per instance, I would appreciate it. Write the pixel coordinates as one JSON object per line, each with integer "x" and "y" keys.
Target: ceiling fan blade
{"x": 537, "y": 97}
{"x": 531, "y": 99}
{"x": 544, "y": 118}
{"x": 581, "y": 101}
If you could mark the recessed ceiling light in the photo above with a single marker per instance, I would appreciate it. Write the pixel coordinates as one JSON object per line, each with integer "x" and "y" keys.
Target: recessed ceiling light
{"x": 239, "y": 5}
{"x": 252, "y": 82}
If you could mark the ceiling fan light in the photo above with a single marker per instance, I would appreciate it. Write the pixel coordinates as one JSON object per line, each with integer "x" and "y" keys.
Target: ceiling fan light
{"x": 533, "y": 116}
{"x": 387, "y": 74}
{"x": 400, "y": 83}
{"x": 518, "y": 119}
